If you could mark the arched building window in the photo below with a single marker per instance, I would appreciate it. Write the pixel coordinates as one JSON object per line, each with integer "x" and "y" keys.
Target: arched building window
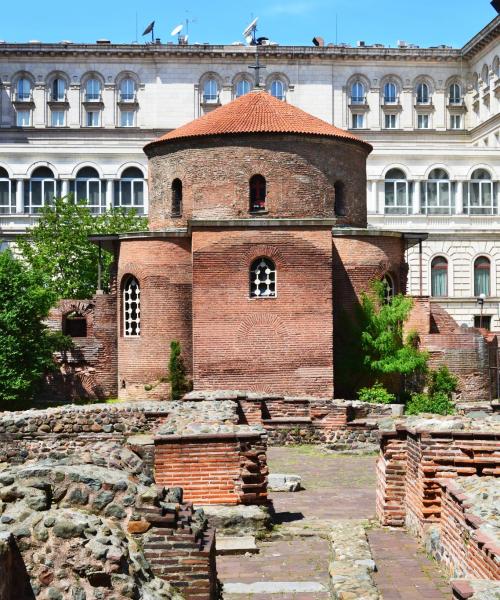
{"x": 390, "y": 93}
{"x": 481, "y": 196}
{"x": 23, "y": 90}
{"x": 339, "y": 207}
{"x": 263, "y": 278}
{"x": 423, "y": 96}
{"x": 277, "y": 89}
{"x": 258, "y": 193}
{"x": 389, "y": 287}
{"x": 210, "y": 90}
{"x": 455, "y": 94}
{"x": 58, "y": 90}
{"x": 127, "y": 90}
{"x": 397, "y": 193}
{"x": 438, "y": 194}
{"x": 93, "y": 90}
{"x": 7, "y": 193}
{"x": 439, "y": 277}
{"x": 129, "y": 190}
{"x": 357, "y": 93}
{"x": 89, "y": 188}
{"x": 482, "y": 268}
{"x": 176, "y": 197}
{"x": 131, "y": 307}
{"x": 242, "y": 87}
{"x": 41, "y": 190}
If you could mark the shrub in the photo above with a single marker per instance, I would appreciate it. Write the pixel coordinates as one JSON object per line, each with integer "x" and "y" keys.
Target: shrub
{"x": 438, "y": 403}
{"x": 442, "y": 381}
{"x": 177, "y": 372}
{"x": 377, "y": 394}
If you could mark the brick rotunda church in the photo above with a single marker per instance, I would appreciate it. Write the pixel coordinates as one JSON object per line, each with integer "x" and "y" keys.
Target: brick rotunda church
{"x": 257, "y": 245}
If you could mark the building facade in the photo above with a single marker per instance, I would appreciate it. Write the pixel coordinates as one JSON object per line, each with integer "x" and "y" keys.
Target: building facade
{"x": 75, "y": 118}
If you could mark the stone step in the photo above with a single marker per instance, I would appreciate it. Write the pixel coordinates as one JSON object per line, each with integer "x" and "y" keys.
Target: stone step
{"x": 275, "y": 587}
{"x": 225, "y": 545}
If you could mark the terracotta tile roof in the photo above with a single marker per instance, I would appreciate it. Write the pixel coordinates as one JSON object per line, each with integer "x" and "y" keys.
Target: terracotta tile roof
{"x": 257, "y": 112}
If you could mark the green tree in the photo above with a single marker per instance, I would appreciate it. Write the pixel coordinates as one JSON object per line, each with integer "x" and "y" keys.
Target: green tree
{"x": 27, "y": 346}
{"x": 177, "y": 372}
{"x": 58, "y": 246}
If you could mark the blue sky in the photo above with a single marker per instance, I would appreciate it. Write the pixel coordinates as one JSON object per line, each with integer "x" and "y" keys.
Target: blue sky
{"x": 294, "y": 22}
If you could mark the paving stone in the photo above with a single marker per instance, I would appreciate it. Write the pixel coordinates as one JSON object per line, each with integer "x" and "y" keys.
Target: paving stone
{"x": 235, "y": 545}
{"x": 274, "y": 587}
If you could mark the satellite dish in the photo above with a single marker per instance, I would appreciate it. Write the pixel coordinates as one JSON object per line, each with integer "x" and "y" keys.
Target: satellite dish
{"x": 177, "y": 29}
{"x": 248, "y": 32}
{"x": 149, "y": 28}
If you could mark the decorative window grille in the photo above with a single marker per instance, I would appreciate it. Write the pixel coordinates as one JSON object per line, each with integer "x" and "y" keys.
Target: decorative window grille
{"x": 131, "y": 308}
{"x": 263, "y": 278}
{"x": 389, "y": 288}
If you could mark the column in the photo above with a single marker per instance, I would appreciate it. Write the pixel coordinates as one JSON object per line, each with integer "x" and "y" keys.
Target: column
{"x": 380, "y": 194}
{"x": 416, "y": 198}
{"x": 372, "y": 198}
{"x": 459, "y": 198}
{"x": 109, "y": 194}
{"x": 146, "y": 196}
{"x": 64, "y": 187}
{"x": 20, "y": 196}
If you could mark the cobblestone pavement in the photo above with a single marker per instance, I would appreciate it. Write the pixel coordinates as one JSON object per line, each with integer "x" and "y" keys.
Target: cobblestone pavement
{"x": 336, "y": 487}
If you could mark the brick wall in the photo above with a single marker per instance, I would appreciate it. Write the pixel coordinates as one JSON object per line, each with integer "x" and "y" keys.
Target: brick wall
{"x": 163, "y": 269}
{"x": 391, "y": 476}
{"x": 274, "y": 345}
{"x": 300, "y": 173}
{"x": 214, "y": 468}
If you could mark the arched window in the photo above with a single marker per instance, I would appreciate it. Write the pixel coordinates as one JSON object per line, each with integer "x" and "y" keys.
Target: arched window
{"x": 263, "y": 278}
{"x": 397, "y": 193}
{"x": 258, "y": 193}
{"x": 496, "y": 66}
{"x": 389, "y": 287}
{"x": 74, "y": 324}
{"x": 277, "y": 89}
{"x": 481, "y": 196}
{"x": 23, "y": 90}
{"x": 242, "y": 87}
{"x": 339, "y": 207}
{"x": 438, "y": 194}
{"x": 131, "y": 307}
{"x": 41, "y": 190}
{"x": 482, "y": 276}
{"x": 357, "y": 93}
{"x": 127, "y": 90}
{"x": 455, "y": 94}
{"x": 89, "y": 189}
{"x": 129, "y": 190}
{"x": 176, "y": 198}
{"x": 211, "y": 90}
{"x": 423, "y": 93}
{"x": 390, "y": 93}
{"x": 58, "y": 90}
{"x": 485, "y": 74}
{"x": 7, "y": 194}
{"x": 93, "y": 90}
{"x": 439, "y": 277}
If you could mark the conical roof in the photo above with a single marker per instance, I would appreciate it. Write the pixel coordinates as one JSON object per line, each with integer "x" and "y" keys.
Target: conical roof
{"x": 257, "y": 112}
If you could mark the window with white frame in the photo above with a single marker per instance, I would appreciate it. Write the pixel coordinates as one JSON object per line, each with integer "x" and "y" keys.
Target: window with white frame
{"x": 482, "y": 276}
{"x": 42, "y": 188}
{"x": 455, "y": 121}
{"x": 89, "y": 189}
{"x": 131, "y": 307}
{"x": 127, "y": 90}
{"x": 358, "y": 121}
{"x": 277, "y": 89}
{"x": 93, "y": 90}
{"x": 7, "y": 193}
{"x": 397, "y": 193}
{"x": 390, "y": 121}
{"x": 129, "y": 190}
{"x": 358, "y": 94}
{"x": 422, "y": 121}
{"x": 423, "y": 96}
{"x": 210, "y": 90}
{"x": 455, "y": 94}
{"x": 127, "y": 118}
{"x": 439, "y": 277}
{"x": 57, "y": 118}
{"x": 23, "y": 118}
{"x": 438, "y": 194}
{"x": 58, "y": 90}
{"x": 242, "y": 87}
{"x": 93, "y": 118}
{"x": 390, "y": 93}
{"x": 23, "y": 90}
{"x": 481, "y": 196}
{"x": 263, "y": 278}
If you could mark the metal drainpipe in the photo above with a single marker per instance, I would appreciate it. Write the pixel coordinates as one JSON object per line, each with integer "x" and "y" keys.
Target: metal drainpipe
{"x": 99, "y": 270}
{"x": 420, "y": 266}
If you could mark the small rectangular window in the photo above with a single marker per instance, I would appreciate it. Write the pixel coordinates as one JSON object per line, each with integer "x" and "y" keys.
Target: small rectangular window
{"x": 390, "y": 121}
{"x": 482, "y": 322}
{"x": 357, "y": 121}
{"x": 58, "y": 118}
{"x": 93, "y": 118}
{"x": 455, "y": 121}
{"x": 423, "y": 121}
{"x": 23, "y": 118}
{"x": 127, "y": 118}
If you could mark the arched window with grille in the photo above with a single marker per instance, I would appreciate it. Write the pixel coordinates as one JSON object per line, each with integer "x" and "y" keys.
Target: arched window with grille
{"x": 277, "y": 89}
{"x": 263, "y": 278}
{"x": 357, "y": 93}
{"x": 89, "y": 189}
{"x": 390, "y": 93}
{"x": 423, "y": 96}
{"x": 397, "y": 193}
{"x": 481, "y": 196}
{"x": 7, "y": 193}
{"x": 389, "y": 287}
{"x": 439, "y": 277}
{"x": 131, "y": 307}
{"x": 258, "y": 193}
{"x": 41, "y": 190}
{"x": 129, "y": 190}
{"x": 438, "y": 194}
{"x": 176, "y": 197}
{"x": 482, "y": 273}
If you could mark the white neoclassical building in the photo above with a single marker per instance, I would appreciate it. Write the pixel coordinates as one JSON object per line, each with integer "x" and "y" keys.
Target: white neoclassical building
{"x": 74, "y": 117}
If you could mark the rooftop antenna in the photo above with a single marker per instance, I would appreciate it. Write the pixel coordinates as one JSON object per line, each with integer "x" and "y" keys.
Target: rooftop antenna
{"x": 150, "y": 29}
{"x": 250, "y": 35}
